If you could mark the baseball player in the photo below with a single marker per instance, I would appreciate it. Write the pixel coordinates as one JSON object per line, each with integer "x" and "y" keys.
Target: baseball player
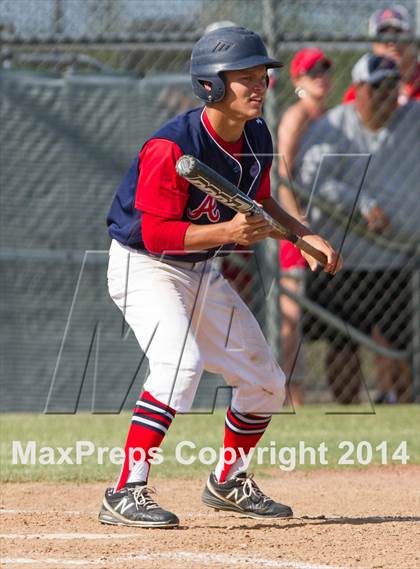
{"x": 186, "y": 317}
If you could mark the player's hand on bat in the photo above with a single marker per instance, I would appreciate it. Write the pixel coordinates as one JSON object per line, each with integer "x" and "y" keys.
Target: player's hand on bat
{"x": 248, "y": 229}
{"x": 334, "y": 261}
{"x": 377, "y": 219}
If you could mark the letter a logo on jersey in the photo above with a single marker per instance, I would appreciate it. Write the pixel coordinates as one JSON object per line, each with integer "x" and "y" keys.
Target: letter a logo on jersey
{"x": 207, "y": 207}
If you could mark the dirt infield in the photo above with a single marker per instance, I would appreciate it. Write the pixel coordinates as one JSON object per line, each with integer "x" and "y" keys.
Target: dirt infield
{"x": 363, "y": 518}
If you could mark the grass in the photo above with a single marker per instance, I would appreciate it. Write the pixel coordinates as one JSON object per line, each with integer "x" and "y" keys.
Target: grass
{"x": 310, "y": 425}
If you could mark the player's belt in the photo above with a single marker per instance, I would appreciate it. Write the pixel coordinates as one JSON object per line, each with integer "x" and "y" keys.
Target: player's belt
{"x": 182, "y": 264}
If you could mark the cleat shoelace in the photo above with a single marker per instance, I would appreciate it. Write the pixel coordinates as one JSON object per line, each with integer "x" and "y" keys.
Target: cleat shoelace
{"x": 141, "y": 495}
{"x": 249, "y": 488}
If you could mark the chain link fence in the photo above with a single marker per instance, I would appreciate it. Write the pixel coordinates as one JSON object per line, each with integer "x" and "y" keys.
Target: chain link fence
{"x": 82, "y": 86}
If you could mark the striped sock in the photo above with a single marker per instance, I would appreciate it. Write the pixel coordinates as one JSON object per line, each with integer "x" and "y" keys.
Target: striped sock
{"x": 242, "y": 431}
{"x": 150, "y": 422}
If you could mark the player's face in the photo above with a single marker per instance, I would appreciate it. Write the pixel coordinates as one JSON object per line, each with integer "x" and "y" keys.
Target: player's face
{"x": 245, "y": 92}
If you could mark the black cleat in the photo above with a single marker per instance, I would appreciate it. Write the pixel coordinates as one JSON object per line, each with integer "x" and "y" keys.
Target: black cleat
{"x": 133, "y": 506}
{"x": 241, "y": 494}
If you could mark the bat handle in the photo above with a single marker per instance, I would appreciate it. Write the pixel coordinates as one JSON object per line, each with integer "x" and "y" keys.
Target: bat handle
{"x": 305, "y": 246}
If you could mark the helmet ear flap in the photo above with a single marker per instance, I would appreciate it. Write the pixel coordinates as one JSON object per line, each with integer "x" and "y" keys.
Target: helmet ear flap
{"x": 219, "y": 87}
{"x": 212, "y": 95}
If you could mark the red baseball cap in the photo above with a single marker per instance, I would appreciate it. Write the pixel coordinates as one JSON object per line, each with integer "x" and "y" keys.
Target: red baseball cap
{"x": 305, "y": 59}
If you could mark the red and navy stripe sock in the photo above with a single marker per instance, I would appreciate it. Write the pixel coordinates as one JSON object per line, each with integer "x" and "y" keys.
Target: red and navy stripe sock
{"x": 150, "y": 422}
{"x": 242, "y": 431}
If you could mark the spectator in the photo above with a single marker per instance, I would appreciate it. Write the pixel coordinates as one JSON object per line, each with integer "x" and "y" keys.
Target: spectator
{"x": 310, "y": 74}
{"x": 394, "y": 20}
{"x": 371, "y": 146}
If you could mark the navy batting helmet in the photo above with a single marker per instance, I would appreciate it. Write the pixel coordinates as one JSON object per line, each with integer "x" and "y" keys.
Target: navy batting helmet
{"x": 225, "y": 49}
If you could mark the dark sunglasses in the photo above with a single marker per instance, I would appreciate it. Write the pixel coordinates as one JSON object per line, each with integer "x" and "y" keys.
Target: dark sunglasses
{"x": 385, "y": 84}
{"x": 320, "y": 68}
{"x": 390, "y": 30}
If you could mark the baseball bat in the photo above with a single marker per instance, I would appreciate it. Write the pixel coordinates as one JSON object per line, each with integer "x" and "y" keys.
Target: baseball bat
{"x": 206, "y": 179}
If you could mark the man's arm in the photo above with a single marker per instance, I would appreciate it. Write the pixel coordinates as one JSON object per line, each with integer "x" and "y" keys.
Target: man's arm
{"x": 291, "y": 127}
{"x": 334, "y": 263}
{"x": 272, "y": 207}
{"x": 242, "y": 229}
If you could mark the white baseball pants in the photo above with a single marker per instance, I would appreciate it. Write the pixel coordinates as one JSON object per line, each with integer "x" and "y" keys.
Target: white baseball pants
{"x": 188, "y": 318}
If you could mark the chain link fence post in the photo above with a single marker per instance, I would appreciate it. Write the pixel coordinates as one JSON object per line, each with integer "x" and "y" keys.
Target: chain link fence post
{"x": 269, "y": 252}
{"x": 415, "y": 281}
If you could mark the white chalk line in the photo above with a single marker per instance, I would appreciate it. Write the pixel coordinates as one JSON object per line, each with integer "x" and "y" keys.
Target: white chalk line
{"x": 68, "y": 536}
{"x": 203, "y": 558}
{"x": 45, "y": 512}
{"x": 5, "y": 511}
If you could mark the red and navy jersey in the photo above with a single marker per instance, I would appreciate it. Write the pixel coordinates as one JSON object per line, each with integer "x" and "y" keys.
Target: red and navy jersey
{"x": 140, "y": 199}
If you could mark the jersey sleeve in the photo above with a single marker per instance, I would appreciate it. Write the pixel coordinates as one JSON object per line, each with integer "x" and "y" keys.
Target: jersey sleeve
{"x": 161, "y": 196}
{"x": 160, "y": 191}
{"x": 162, "y": 235}
{"x": 264, "y": 190}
